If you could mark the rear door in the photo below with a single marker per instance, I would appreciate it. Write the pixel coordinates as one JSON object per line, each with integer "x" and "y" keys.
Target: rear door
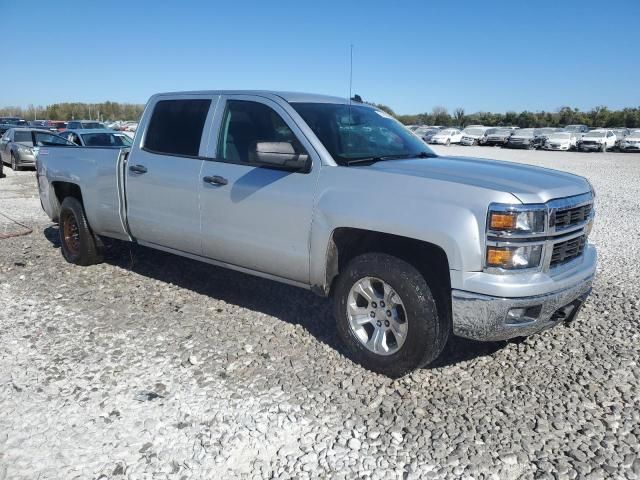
{"x": 163, "y": 172}
{"x": 257, "y": 217}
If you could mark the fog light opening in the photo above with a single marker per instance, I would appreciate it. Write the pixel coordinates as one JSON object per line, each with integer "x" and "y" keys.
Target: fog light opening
{"x": 520, "y": 315}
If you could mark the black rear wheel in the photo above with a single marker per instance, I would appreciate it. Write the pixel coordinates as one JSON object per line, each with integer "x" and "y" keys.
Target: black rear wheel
{"x": 78, "y": 243}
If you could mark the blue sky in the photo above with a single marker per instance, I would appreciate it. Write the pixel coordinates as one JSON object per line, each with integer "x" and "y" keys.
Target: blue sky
{"x": 410, "y": 55}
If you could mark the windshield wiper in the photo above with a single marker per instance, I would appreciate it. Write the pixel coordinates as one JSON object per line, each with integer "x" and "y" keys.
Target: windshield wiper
{"x": 369, "y": 160}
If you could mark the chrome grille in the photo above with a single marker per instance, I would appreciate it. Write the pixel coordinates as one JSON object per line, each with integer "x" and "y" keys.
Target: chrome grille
{"x": 571, "y": 216}
{"x": 568, "y": 250}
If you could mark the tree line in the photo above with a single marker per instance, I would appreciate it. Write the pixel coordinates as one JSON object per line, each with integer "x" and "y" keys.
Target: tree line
{"x": 596, "y": 117}
{"x": 76, "y": 111}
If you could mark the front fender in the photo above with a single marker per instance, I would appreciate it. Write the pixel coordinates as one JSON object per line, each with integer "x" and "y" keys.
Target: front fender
{"x": 446, "y": 214}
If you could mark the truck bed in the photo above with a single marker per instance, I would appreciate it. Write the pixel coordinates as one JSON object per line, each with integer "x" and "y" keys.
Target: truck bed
{"x": 99, "y": 171}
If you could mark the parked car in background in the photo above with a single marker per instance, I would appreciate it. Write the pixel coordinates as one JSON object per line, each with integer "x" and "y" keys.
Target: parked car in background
{"x": 82, "y": 124}
{"x": 428, "y": 134}
{"x": 58, "y": 125}
{"x": 544, "y": 132}
{"x": 620, "y": 134}
{"x": 525, "y": 138}
{"x": 413, "y": 246}
{"x": 474, "y": 135}
{"x": 498, "y": 136}
{"x": 15, "y": 121}
{"x": 600, "y": 139}
{"x": 44, "y": 124}
{"x": 579, "y": 130}
{"x": 561, "y": 141}
{"x": 421, "y": 130}
{"x": 16, "y": 147}
{"x": 630, "y": 143}
{"x": 446, "y": 136}
{"x": 97, "y": 137}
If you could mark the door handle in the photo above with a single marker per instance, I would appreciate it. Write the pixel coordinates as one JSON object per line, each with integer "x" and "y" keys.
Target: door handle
{"x": 138, "y": 169}
{"x": 215, "y": 180}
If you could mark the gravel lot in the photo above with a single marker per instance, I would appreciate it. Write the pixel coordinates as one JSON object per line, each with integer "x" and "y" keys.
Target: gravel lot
{"x": 153, "y": 366}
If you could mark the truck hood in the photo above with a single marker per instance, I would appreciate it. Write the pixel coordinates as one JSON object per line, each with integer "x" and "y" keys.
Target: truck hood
{"x": 528, "y": 183}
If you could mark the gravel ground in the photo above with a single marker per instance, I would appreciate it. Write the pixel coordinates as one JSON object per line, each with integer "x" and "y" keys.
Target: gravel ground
{"x": 153, "y": 366}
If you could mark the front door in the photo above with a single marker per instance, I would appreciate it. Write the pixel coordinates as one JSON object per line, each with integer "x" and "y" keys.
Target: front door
{"x": 257, "y": 217}
{"x": 163, "y": 173}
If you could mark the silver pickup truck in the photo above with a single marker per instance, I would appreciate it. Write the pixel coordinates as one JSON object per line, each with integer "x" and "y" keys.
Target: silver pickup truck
{"x": 336, "y": 196}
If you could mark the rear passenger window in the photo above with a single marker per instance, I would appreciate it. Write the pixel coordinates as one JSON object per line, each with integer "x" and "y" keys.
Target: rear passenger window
{"x": 176, "y": 127}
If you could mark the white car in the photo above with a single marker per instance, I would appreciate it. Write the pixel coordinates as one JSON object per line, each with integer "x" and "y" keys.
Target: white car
{"x": 474, "y": 135}
{"x": 631, "y": 143}
{"x": 600, "y": 139}
{"x": 447, "y": 136}
{"x": 561, "y": 141}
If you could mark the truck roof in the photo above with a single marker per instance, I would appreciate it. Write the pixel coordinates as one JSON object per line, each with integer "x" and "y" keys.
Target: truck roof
{"x": 287, "y": 96}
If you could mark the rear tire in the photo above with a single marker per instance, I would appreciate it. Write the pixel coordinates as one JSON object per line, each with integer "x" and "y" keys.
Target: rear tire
{"x": 415, "y": 310}
{"x": 78, "y": 243}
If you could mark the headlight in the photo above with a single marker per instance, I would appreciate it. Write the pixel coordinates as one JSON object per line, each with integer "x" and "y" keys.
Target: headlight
{"x": 25, "y": 150}
{"x": 514, "y": 258}
{"x": 505, "y": 220}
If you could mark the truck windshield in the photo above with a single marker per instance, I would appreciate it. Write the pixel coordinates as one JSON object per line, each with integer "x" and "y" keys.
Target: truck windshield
{"x": 359, "y": 132}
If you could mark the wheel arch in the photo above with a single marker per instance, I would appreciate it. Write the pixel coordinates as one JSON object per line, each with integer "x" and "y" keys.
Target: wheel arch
{"x": 61, "y": 190}
{"x": 346, "y": 243}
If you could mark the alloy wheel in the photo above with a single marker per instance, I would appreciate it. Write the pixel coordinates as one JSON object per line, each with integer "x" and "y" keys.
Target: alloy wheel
{"x": 377, "y": 316}
{"x": 71, "y": 233}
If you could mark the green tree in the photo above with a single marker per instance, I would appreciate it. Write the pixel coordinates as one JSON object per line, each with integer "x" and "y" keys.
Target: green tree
{"x": 440, "y": 116}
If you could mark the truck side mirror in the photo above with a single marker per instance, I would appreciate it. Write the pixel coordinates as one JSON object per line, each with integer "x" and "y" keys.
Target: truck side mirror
{"x": 281, "y": 154}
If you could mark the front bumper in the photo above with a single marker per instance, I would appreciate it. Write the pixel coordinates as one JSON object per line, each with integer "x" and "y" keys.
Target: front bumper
{"x": 590, "y": 147}
{"x": 556, "y": 147}
{"x": 630, "y": 148}
{"x": 25, "y": 160}
{"x": 480, "y": 316}
{"x": 485, "y": 318}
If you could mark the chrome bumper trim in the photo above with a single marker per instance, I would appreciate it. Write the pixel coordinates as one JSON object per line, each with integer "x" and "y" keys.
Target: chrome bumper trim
{"x": 483, "y": 317}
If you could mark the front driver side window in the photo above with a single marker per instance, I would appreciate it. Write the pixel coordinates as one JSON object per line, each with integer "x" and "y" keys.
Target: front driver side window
{"x": 245, "y": 124}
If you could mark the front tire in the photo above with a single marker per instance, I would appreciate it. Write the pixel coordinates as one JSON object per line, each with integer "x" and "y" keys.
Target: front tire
{"x": 14, "y": 162}
{"x": 387, "y": 315}
{"x": 78, "y": 243}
